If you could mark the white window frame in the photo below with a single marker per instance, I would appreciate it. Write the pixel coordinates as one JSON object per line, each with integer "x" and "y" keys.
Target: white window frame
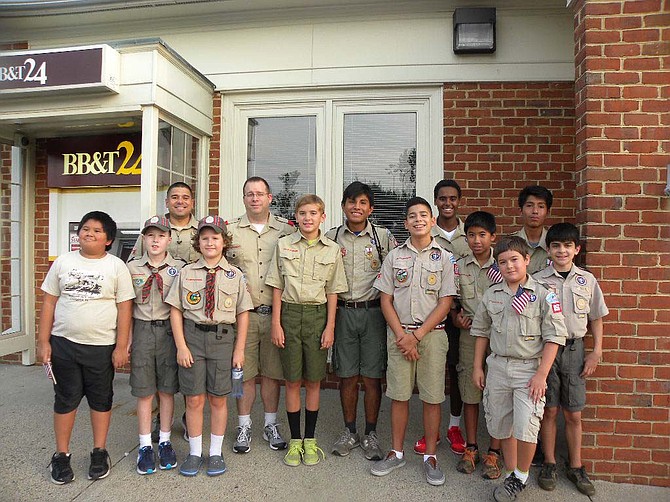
{"x": 329, "y": 106}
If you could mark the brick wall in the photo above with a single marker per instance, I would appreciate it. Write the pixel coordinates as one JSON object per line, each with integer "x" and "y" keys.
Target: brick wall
{"x": 622, "y": 61}
{"x": 500, "y": 137}
{"x": 214, "y": 157}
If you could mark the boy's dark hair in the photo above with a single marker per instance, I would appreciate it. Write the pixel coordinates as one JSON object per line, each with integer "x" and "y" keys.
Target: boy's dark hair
{"x": 562, "y": 232}
{"x": 446, "y": 183}
{"x": 254, "y": 179}
{"x": 179, "y": 184}
{"x": 511, "y": 243}
{"x": 480, "y": 219}
{"x": 357, "y": 188}
{"x": 108, "y": 225}
{"x": 416, "y": 201}
{"x": 536, "y": 191}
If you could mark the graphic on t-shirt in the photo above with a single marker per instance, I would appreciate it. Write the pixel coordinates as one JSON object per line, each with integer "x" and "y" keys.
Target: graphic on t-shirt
{"x": 83, "y": 285}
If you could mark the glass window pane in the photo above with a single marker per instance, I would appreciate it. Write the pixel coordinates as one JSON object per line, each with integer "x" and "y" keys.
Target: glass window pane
{"x": 164, "y": 142}
{"x": 178, "y": 147}
{"x": 283, "y": 151}
{"x": 178, "y": 160}
{"x": 380, "y": 150}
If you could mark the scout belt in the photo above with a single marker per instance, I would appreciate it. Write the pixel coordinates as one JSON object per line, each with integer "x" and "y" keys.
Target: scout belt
{"x": 359, "y": 305}
{"x": 263, "y": 310}
{"x": 414, "y": 327}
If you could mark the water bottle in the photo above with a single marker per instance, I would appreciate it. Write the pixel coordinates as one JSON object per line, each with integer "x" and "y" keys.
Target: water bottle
{"x": 237, "y": 375}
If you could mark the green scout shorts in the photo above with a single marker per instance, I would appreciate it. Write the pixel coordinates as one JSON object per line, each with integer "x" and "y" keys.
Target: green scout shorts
{"x": 302, "y": 357}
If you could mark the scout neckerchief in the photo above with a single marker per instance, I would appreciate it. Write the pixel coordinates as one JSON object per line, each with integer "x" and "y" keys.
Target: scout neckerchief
{"x": 155, "y": 275}
{"x": 209, "y": 292}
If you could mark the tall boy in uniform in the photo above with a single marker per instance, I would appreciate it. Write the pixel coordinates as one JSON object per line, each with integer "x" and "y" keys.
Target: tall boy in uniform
{"x": 524, "y": 324}
{"x": 84, "y": 331}
{"x": 153, "y": 366}
{"x": 307, "y": 274}
{"x": 417, "y": 288}
{"x": 450, "y": 234}
{"x": 534, "y": 205}
{"x": 209, "y": 297}
{"x": 477, "y": 272}
{"x": 255, "y": 236}
{"x": 360, "y": 328}
{"x": 583, "y": 305}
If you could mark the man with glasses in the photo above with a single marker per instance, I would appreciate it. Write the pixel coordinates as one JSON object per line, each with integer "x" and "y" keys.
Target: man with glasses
{"x": 255, "y": 235}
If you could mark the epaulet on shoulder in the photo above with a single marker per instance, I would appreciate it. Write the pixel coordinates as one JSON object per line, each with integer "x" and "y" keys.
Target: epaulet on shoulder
{"x": 331, "y": 229}
{"x": 233, "y": 221}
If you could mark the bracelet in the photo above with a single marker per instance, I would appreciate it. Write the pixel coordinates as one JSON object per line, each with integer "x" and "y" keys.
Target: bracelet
{"x": 414, "y": 335}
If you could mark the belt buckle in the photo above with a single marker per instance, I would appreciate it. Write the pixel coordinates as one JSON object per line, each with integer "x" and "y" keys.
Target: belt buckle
{"x": 263, "y": 310}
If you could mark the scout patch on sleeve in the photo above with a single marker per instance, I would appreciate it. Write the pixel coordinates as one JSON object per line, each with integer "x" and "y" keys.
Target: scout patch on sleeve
{"x": 556, "y": 308}
{"x": 456, "y": 271}
{"x": 554, "y": 303}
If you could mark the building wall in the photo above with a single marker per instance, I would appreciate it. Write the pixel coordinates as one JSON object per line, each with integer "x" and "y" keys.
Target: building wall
{"x": 622, "y": 60}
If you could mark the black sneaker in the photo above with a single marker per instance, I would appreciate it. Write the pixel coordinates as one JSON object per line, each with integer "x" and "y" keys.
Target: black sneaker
{"x": 167, "y": 456}
{"x": 547, "y": 477}
{"x": 99, "y": 468}
{"x": 538, "y": 458}
{"x": 578, "y": 476}
{"x": 61, "y": 471}
{"x": 146, "y": 460}
{"x": 508, "y": 491}
{"x": 156, "y": 432}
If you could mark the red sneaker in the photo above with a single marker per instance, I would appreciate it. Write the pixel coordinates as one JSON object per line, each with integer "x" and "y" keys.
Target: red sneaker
{"x": 420, "y": 445}
{"x": 455, "y": 439}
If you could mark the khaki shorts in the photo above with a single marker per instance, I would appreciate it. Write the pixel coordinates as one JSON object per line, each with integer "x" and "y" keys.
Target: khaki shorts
{"x": 470, "y": 393}
{"x": 428, "y": 372}
{"x": 302, "y": 357}
{"x": 360, "y": 343}
{"x": 261, "y": 356}
{"x": 508, "y": 407}
{"x": 565, "y": 386}
{"x": 212, "y": 353}
{"x": 153, "y": 359}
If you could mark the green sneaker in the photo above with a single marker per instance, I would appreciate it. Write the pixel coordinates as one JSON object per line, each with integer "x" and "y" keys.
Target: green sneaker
{"x": 311, "y": 452}
{"x": 294, "y": 454}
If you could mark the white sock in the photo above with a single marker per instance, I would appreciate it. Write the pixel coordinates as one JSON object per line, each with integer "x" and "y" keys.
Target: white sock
{"x": 270, "y": 418}
{"x": 454, "y": 421}
{"x": 215, "y": 444}
{"x": 195, "y": 445}
{"x": 523, "y": 476}
{"x": 164, "y": 436}
{"x": 398, "y": 454}
{"x": 145, "y": 440}
{"x": 244, "y": 420}
{"x": 426, "y": 457}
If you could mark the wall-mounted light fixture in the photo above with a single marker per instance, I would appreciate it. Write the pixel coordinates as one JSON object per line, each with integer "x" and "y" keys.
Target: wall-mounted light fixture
{"x": 474, "y": 30}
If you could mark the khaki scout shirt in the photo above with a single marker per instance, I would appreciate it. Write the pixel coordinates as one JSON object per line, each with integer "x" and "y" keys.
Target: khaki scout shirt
{"x": 252, "y": 252}
{"x": 472, "y": 282}
{"x": 458, "y": 245}
{"x": 417, "y": 280}
{"x": 539, "y": 256}
{"x": 230, "y": 294}
{"x": 181, "y": 247}
{"x": 305, "y": 273}
{"x": 154, "y": 307}
{"x": 519, "y": 335}
{"x": 361, "y": 259}
{"x": 580, "y": 295}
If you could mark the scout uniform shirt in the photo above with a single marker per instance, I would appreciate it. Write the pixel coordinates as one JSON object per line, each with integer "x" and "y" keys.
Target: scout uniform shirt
{"x": 473, "y": 282}
{"x": 230, "y": 294}
{"x": 539, "y": 256}
{"x": 305, "y": 273}
{"x": 362, "y": 262}
{"x": 417, "y": 280}
{"x": 520, "y": 336}
{"x": 580, "y": 295}
{"x": 252, "y": 252}
{"x": 458, "y": 245}
{"x": 152, "y": 307}
{"x": 181, "y": 246}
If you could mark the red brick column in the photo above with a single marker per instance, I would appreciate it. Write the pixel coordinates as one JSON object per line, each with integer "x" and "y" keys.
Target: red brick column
{"x": 215, "y": 157}
{"x": 622, "y": 62}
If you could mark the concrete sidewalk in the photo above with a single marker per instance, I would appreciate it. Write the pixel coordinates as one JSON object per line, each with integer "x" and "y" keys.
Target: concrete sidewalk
{"x": 26, "y": 443}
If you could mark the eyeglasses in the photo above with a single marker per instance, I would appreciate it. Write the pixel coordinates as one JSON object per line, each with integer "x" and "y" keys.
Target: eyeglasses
{"x": 255, "y": 195}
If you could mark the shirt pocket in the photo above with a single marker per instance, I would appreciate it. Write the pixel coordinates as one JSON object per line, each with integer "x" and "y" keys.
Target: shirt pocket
{"x": 323, "y": 266}
{"x": 290, "y": 263}
{"x": 227, "y": 293}
{"x": 402, "y": 275}
{"x": 431, "y": 277}
{"x": 581, "y": 301}
{"x": 193, "y": 300}
{"x": 497, "y": 313}
{"x": 531, "y": 321}
{"x": 138, "y": 285}
{"x": 467, "y": 287}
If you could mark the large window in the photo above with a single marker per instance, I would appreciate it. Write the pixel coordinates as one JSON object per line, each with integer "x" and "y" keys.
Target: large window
{"x": 320, "y": 141}
{"x": 177, "y": 158}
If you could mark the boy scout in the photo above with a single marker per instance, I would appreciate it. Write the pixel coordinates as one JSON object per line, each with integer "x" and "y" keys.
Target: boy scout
{"x": 154, "y": 362}
{"x": 209, "y": 297}
{"x": 255, "y": 236}
{"x": 477, "y": 272}
{"x": 450, "y": 234}
{"x": 307, "y": 274}
{"x": 534, "y": 205}
{"x": 583, "y": 305}
{"x": 360, "y": 328}
{"x": 525, "y": 326}
{"x": 417, "y": 286}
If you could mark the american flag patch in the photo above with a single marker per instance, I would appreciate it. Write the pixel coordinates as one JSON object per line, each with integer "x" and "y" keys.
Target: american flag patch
{"x": 520, "y": 300}
{"x": 494, "y": 275}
